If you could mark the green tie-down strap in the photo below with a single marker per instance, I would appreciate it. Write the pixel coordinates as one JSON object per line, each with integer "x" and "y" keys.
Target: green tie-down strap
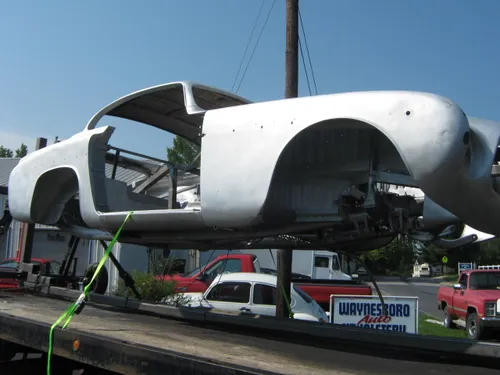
{"x": 77, "y": 306}
{"x": 288, "y": 304}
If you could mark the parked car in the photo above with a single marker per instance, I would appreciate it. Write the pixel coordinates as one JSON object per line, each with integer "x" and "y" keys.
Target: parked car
{"x": 252, "y": 293}
{"x": 475, "y": 298}
{"x": 320, "y": 290}
{"x": 47, "y": 267}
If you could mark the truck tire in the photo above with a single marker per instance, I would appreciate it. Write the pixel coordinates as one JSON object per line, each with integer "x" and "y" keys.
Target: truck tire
{"x": 448, "y": 320}
{"x": 473, "y": 328}
{"x": 100, "y": 284}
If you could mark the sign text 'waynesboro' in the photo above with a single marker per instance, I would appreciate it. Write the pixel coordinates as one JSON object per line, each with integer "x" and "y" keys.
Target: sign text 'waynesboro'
{"x": 367, "y": 312}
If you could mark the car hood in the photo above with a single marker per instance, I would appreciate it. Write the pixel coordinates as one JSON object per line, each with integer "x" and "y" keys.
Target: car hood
{"x": 176, "y": 277}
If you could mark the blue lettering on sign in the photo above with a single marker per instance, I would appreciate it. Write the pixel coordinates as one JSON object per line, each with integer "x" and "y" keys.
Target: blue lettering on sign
{"x": 382, "y": 327}
{"x": 374, "y": 309}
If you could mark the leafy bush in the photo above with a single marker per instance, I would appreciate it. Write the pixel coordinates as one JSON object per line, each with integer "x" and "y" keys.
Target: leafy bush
{"x": 150, "y": 289}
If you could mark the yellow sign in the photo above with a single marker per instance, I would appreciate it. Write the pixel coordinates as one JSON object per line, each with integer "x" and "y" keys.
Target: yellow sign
{"x": 445, "y": 259}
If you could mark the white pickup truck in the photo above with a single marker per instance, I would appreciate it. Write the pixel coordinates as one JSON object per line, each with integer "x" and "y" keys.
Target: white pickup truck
{"x": 251, "y": 293}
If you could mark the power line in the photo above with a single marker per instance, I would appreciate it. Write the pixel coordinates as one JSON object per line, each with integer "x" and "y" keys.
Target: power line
{"x": 305, "y": 67}
{"x": 307, "y": 49}
{"x": 256, "y": 44}
{"x": 248, "y": 45}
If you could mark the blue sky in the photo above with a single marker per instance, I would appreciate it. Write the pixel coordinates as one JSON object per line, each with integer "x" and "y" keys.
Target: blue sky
{"x": 63, "y": 60}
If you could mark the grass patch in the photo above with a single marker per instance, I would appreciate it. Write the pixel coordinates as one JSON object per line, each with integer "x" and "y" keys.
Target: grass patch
{"x": 450, "y": 277}
{"x": 434, "y": 329}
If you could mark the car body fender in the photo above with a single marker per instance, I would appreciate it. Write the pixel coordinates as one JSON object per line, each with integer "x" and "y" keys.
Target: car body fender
{"x": 241, "y": 146}
{"x": 43, "y": 181}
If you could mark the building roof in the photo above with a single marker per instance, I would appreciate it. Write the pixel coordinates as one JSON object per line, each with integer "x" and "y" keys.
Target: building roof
{"x": 122, "y": 174}
{"x": 6, "y": 166}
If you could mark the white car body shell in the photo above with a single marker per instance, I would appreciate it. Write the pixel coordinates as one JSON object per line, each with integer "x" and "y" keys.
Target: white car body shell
{"x": 272, "y": 167}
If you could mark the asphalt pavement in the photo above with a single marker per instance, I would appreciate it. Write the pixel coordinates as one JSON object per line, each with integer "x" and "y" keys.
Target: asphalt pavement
{"x": 425, "y": 291}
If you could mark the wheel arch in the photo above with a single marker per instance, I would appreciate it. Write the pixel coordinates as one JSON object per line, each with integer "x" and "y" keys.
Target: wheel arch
{"x": 269, "y": 208}
{"x": 471, "y": 310}
{"x": 53, "y": 189}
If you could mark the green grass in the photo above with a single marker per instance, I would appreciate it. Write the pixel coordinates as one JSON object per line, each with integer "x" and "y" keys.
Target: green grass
{"x": 434, "y": 329}
{"x": 450, "y": 277}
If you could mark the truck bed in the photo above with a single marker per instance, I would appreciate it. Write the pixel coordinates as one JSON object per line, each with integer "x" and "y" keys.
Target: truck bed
{"x": 112, "y": 337}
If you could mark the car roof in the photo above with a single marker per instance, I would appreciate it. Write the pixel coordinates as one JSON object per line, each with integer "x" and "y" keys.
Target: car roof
{"x": 250, "y": 277}
{"x": 484, "y": 270}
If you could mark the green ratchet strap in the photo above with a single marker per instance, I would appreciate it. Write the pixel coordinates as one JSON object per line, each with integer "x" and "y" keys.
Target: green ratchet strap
{"x": 78, "y": 305}
{"x": 290, "y": 312}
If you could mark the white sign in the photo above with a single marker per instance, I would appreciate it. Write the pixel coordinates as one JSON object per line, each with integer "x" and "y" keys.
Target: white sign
{"x": 367, "y": 312}
{"x": 464, "y": 267}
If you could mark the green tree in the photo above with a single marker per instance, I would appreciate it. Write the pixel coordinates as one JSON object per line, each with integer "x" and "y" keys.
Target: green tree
{"x": 489, "y": 252}
{"x": 432, "y": 254}
{"x": 394, "y": 259}
{"x": 22, "y": 151}
{"x": 5, "y": 152}
{"x": 183, "y": 152}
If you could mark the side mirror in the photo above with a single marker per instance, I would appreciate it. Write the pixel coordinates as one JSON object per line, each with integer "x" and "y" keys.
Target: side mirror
{"x": 202, "y": 277}
{"x": 457, "y": 286}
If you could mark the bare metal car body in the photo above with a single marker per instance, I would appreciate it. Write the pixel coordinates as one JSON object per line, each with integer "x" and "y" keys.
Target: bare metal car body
{"x": 308, "y": 172}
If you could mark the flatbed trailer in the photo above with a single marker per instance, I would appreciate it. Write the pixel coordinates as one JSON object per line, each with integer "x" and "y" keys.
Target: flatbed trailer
{"x": 127, "y": 336}
{"x": 128, "y": 341}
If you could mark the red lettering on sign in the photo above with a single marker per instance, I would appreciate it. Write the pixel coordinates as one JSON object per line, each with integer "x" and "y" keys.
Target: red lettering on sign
{"x": 367, "y": 319}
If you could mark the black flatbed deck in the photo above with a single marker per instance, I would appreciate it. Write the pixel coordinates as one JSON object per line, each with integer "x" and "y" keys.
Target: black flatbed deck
{"x": 132, "y": 343}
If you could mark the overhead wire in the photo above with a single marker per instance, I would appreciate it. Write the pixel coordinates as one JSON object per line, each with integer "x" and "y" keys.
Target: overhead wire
{"x": 256, "y": 44}
{"x": 305, "y": 67}
{"x": 248, "y": 44}
{"x": 308, "y": 53}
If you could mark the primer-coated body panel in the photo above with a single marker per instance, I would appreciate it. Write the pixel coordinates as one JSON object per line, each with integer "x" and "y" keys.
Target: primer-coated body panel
{"x": 241, "y": 145}
{"x": 302, "y": 160}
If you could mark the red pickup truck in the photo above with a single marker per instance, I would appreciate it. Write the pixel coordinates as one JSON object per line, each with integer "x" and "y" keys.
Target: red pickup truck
{"x": 200, "y": 279}
{"x": 475, "y": 299}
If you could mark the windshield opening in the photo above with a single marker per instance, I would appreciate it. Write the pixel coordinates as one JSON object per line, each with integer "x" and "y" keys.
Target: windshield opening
{"x": 193, "y": 272}
{"x": 335, "y": 263}
{"x": 301, "y": 293}
{"x": 484, "y": 280}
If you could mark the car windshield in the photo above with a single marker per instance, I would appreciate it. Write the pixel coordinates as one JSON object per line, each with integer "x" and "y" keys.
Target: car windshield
{"x": 484, "y": 280}
{"x": 303, "y": 294}
{"x": 193, "y": 272}
{"x": 335, "y": 264}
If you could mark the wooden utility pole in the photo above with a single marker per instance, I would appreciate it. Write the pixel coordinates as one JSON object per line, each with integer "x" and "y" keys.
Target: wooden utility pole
{"x": 29, "y": 229}
{"x": 285, "y": 257}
